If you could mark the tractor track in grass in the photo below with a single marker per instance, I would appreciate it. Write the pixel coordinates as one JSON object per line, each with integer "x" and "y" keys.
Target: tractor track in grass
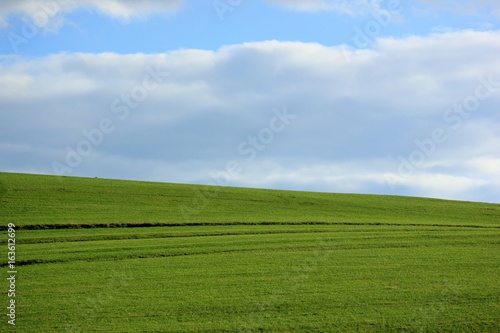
{"x": 310, "y": 248}
{"x": 159, "y": 235}
{"x": 190, "y": 233}
{"x": 195, "y": 224}
{"x": 125, "y": 246}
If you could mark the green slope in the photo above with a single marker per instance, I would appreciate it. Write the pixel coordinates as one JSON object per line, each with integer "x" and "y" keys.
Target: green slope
{"x": 34, "y": 199}
{"x": 334, "y": 278}
{"x": 244, "y": 260}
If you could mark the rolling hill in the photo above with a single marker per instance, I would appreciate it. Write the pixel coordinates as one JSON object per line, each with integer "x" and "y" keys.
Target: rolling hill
{"x": 99, "y": 255}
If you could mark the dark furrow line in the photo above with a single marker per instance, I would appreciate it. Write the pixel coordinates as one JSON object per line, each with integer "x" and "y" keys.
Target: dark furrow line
{"x": 196, "y": 224}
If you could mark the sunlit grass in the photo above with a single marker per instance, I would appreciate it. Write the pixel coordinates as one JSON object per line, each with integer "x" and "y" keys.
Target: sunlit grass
{"x": 246, "y": 260}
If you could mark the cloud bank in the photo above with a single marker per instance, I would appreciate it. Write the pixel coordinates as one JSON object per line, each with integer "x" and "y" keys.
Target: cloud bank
{"x": 413, "y": 116}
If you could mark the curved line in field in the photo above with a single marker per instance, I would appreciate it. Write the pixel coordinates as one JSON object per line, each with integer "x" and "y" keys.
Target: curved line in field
{"x": 195, "y": 224}
{"x": 167, "y": 255}
{"x": 315, "y": 248}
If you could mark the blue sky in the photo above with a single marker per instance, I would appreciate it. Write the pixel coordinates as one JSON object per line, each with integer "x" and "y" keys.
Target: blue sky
{"x": 211, "y": 24}
{"x": 385, "y": 97}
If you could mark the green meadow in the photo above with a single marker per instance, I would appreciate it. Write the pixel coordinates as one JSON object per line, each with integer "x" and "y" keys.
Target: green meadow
{"x": 98, "y": 255}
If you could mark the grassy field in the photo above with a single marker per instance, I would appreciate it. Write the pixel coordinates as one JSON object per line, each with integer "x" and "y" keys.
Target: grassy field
{"x": 31, "y": 200}
{"x": 95, "y": 255}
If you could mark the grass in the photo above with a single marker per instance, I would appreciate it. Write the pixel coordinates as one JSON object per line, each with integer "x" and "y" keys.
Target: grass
{"x": 245, "y": 260}
{"x": 46, "y": 200}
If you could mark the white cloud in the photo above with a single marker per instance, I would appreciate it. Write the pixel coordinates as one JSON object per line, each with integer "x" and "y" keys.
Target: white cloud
{"x": 126, "y": 9}
{"x": 443, "y": 185}
{"x": 354, "y": 119}
{"x": 342, "y": 6}
{"x": 48, "y": 13}
{"x": 485, "y": 8}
